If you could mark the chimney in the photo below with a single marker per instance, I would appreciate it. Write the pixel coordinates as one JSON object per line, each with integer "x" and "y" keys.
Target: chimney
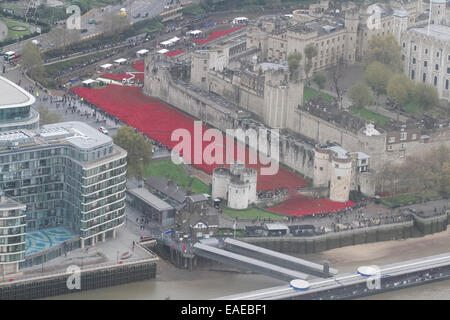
{"x": 170, "y": 183}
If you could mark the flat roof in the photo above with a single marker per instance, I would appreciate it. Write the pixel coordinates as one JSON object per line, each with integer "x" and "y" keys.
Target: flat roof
{"x": 162, "y": 51}
{"x": 437, "y": 31}
{"x": 89, "y": 81}
{"x": 13, "y": 96}
{"x": 77, "y": 133}
{"x": 142, "y": 51}
{"x": 276, "y": 226}
{"x": 106, "y": 66}
{"x": 120, "y": 60}
{"x": 151, "y": 199}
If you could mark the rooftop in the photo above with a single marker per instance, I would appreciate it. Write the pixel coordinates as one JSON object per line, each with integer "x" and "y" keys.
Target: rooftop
{"x": 150, "y": 198}
{"x": 13, "y": 96}
{"x": 78, "y": 134}
{"x": 439, "y": 32}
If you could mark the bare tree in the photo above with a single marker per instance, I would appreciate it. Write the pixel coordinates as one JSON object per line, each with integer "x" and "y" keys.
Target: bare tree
{"x": 337, "y": 72}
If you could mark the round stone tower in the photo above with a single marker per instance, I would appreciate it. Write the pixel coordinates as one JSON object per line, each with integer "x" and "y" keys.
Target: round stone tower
{"x": 321, "y": 166}
{"x": 340, "y": 178}
{"x": 220, "y": 181}
{"x": 250, "y": 176}
{"x": 238, "y": 194}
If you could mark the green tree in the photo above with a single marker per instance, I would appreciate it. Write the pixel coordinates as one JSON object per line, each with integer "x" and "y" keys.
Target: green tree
{"x": 114, "y": 25}
{"x": 384, "y": 49}
{"x": 47, "y": 117}
{"x": 32, "y": 59}
{"x": 426, "y": 95}
{"x": 320, "y": 79}
{"x": 377, "y": 76}
{"x": 310, "y": 52}
{"x": 294, "y": 59}
{"x": 139, "y": 150}
{"x": 360, "y": 94}
{"x": 400, "y": 89}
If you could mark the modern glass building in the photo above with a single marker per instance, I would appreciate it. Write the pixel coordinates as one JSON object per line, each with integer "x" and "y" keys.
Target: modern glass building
{"x": 16, "y": 110}
{"x": 12, "y": 235}
{"x": 67, "y": 174}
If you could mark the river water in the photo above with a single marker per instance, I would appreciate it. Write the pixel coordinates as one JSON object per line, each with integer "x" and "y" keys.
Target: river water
{"x": 207, "y": 284}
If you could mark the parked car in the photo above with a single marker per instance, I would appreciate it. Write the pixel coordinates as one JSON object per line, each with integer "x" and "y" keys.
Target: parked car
{"x": 103, "y": 130}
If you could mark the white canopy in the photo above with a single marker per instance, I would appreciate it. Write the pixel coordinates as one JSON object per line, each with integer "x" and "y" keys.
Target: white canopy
{"x": 166, "y": 43}
{"x": 162, "y": 51}
{"x": 106, "y": 66}
{"x": 9, "y": 53}
{"x": 174, "y": 39}
{"x": 143, "y": 51}
{"x": 88, "y": 81}
{"x": 194, "y": 32}
{"x": 121, "y": 60}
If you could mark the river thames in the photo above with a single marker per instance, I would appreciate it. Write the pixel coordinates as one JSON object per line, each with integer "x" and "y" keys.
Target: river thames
{"x": 175, "y": 283}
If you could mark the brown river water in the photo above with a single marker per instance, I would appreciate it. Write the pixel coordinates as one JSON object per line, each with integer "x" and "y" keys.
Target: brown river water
{"x": 206, "y": 284}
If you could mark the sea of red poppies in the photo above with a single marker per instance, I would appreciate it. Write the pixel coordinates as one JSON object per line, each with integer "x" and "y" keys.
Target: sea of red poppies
{"x": 159, "y": 120}
{"x": 174, "y": 53}
{"x": 299, "y": 205}
{"x": 139, "y": 66}
{"x": 216, "y": 34}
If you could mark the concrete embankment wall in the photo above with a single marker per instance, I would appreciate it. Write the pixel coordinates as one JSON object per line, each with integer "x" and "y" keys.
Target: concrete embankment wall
{"x": 417, "y": 227}
{"x": 94, "y": 278}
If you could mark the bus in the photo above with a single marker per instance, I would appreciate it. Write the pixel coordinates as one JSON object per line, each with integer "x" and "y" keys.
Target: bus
{"x": 10, "y": 56}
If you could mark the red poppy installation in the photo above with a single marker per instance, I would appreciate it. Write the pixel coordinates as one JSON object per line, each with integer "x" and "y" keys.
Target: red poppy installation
{"x": 158, "y": 120}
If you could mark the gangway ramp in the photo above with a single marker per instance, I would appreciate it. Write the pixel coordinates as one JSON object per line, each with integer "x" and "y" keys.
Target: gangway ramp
{"x": 247, "y": 263}
{"x": 277, "y": 258}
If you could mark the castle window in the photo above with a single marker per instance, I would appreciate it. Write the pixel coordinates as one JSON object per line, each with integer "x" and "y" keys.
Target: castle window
{"x": 446, "y": 84}
{"x": 425, "y": 63}
{"x": 426, "y": 51}
{"x": 415, "y": 48}
{"x": 424, "y": 77}
{"x": 336, "y": 165}
{"x": 414, "y": 136}
{"x": 436, "y": 67}
{"x": 339, "y": 177}
{"x": 448, "y": 70}
{"x": 404, "y": 44}
{"x": 390, "y": 147}
{"x": 437, "y": 54}
{"x": 321, "y": 168}
{"x": 391, "y": 139}
{"x": 414, "y": 61}
{"x": 403, "y": 135}
{"x": 435, "y": 81}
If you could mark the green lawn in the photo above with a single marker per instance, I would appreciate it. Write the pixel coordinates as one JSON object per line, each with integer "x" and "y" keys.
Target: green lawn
{"x": 167, "y": 169}
{"x": 251, "y": 213}
{"x": 404, "y": 199}
{"x": 12, "y": 34}
{"x": 370, "y": 115}
{"x": 309, "y": 93}
{"x": 413, "y": 107}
